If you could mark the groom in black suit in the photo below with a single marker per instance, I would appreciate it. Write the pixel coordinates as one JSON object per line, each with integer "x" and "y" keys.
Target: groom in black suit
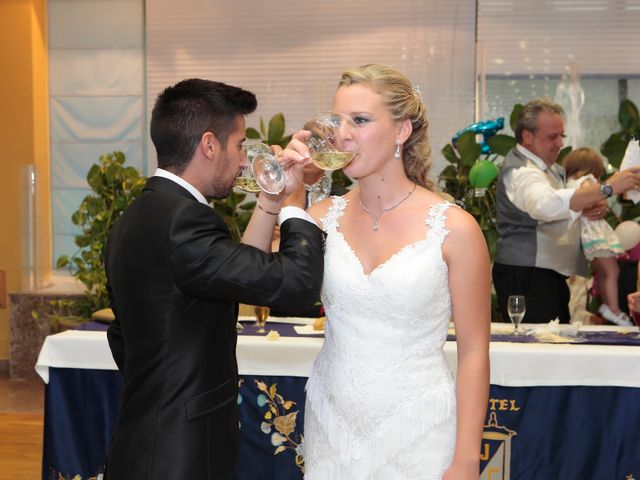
{"x": 175, "y": 278}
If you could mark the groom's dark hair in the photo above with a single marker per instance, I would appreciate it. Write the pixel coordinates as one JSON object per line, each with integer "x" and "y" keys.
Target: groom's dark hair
{"x": 185, "y": 111}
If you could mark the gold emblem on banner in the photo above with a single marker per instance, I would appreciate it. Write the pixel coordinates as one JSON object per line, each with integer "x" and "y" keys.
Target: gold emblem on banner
{"x": 495, "y": 452}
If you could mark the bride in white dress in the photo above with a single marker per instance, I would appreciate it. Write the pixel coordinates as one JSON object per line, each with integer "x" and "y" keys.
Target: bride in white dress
{"x": 382, "y": 402}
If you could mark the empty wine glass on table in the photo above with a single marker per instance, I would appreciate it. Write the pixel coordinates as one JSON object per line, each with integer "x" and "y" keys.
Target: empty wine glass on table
{"x": 263, "y": 173}
{"x": 334, "y": 140}
{"x": 516, "y": 307}
{"x": 262, "y": 313}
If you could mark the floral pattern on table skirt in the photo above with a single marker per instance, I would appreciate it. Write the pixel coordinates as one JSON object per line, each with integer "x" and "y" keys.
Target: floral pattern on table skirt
{"x": 277, "y": 417}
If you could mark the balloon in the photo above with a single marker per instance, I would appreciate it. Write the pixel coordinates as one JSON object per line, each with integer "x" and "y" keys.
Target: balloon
{"x": 482, "y": 174}
{"x": 486, "y": 128}
{"x": 628, "y": 233}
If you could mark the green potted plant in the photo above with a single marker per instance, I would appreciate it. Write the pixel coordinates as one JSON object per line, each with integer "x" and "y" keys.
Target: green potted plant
{"x": 273, "y": 134}
{"x": 114, "y": 186}
{"x": 469, "y": 177}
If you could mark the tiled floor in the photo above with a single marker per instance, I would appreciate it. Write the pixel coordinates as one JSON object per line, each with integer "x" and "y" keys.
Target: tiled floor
{"x": 21, "y": 396}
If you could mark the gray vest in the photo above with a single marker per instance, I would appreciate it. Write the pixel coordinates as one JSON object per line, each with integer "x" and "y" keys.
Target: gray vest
{"x": 526, "y": 242}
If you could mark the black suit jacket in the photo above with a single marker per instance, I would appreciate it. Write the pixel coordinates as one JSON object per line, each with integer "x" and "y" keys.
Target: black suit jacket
{"x": 175, "y": 278}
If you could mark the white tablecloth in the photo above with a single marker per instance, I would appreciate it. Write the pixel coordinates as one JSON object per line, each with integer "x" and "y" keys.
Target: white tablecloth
{"x": 512, "y": 364}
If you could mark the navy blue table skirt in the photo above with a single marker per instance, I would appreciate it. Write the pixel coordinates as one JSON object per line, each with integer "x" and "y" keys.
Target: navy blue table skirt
{"x": 531, "y": 433}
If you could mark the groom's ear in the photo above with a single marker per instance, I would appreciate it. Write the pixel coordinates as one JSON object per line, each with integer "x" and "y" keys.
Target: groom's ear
{"x": 208, "y": 145}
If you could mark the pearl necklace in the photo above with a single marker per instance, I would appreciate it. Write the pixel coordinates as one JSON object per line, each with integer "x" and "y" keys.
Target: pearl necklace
{"x": 376, "y": 217}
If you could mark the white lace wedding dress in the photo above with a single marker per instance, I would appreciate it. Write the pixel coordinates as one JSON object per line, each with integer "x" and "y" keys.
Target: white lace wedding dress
{"x": 381, "y": 396}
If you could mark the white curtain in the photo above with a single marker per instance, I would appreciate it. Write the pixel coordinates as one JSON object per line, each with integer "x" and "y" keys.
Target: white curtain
{"x": 522, "y": 37}
{"x": 291, "y": 52}
{"x": 96, "y": 81}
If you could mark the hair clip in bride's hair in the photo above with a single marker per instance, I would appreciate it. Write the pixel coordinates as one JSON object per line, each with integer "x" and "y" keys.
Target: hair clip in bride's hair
{"x": 417, "y": 92}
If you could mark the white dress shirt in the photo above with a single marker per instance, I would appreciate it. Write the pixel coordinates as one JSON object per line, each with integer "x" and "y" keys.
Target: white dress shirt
{"x": 294, "y": 212}
{"x": 182, "y": 182}
{"x": 529, "y": 190}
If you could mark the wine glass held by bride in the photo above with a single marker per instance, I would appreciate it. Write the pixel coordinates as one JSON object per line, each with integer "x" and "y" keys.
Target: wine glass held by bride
{"x": 334, "y": 140}
{"x": 399, "y": 264}
{"x": 330, "y": 140}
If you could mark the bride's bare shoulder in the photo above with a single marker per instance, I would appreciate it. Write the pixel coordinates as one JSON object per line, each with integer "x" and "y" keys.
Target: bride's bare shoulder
{"x": 460, "y": 220}
{"x": 457, "y": 220}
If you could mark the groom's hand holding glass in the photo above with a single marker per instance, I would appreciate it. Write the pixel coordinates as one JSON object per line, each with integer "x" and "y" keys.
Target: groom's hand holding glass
{"x": 260, "y": 228}
{"x": 284, "y": 175}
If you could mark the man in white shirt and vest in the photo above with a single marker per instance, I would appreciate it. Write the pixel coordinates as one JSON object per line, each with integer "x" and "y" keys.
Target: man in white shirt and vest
{"x": 538, "y": 243}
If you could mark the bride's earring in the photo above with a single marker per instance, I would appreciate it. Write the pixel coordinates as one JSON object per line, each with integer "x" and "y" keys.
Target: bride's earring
{"x": 397, "y": 154}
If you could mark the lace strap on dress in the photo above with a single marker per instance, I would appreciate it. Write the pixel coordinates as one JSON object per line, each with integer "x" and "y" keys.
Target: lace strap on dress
{"x": 436, "y": 219}
{"x": 330, "y": 220}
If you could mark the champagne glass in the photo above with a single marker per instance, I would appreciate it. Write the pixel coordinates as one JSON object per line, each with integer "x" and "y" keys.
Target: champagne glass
{"x": 516, "y": 308}
{"x": 262, "y": 313}
{"x": 263, "y": 173}
{"x": 334, "y": 140}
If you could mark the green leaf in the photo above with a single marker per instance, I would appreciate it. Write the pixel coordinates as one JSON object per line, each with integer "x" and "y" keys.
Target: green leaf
{"x": 276, "y": 129}
{"x": 340, "y": 179}
{"x": 515, "y": 113}
{"x": 262, "y": 130}
{"x": 631, "y": 213}
{"x": 501, "y": 144}
{"x": 112, "y": 173}
{"x": 63, "y": 261}
{"x": 284, "y": 141}
{"x": 252, "y": 133}
{"x": 628, "y": 115}
{"x": 614, "y": 147}
{"x": 449, "y": 173}
{"x": 468, "y": 148}
{"x": 563, "y": 153}
{"x": 93, "y": 177}
{"x": 82, "y": 241}
{"x": 78, "y": 218}
{"x": 119, "y": 157}
{"x": 449, "y": 154}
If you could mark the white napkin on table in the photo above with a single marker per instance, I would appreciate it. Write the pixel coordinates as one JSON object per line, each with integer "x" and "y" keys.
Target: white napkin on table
{"x": 307, "y": 330}
{"x": 554, "y": 331}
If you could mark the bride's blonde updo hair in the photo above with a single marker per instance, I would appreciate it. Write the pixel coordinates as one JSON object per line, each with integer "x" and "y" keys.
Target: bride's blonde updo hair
{"x": 403, "y": 103}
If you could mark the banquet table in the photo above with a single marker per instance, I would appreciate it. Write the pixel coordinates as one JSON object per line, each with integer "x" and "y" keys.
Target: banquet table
{"x": 556, "y": 410}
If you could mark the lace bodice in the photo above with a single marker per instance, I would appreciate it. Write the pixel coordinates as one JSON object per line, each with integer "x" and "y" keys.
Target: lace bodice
{"x": 381, "y": 380}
